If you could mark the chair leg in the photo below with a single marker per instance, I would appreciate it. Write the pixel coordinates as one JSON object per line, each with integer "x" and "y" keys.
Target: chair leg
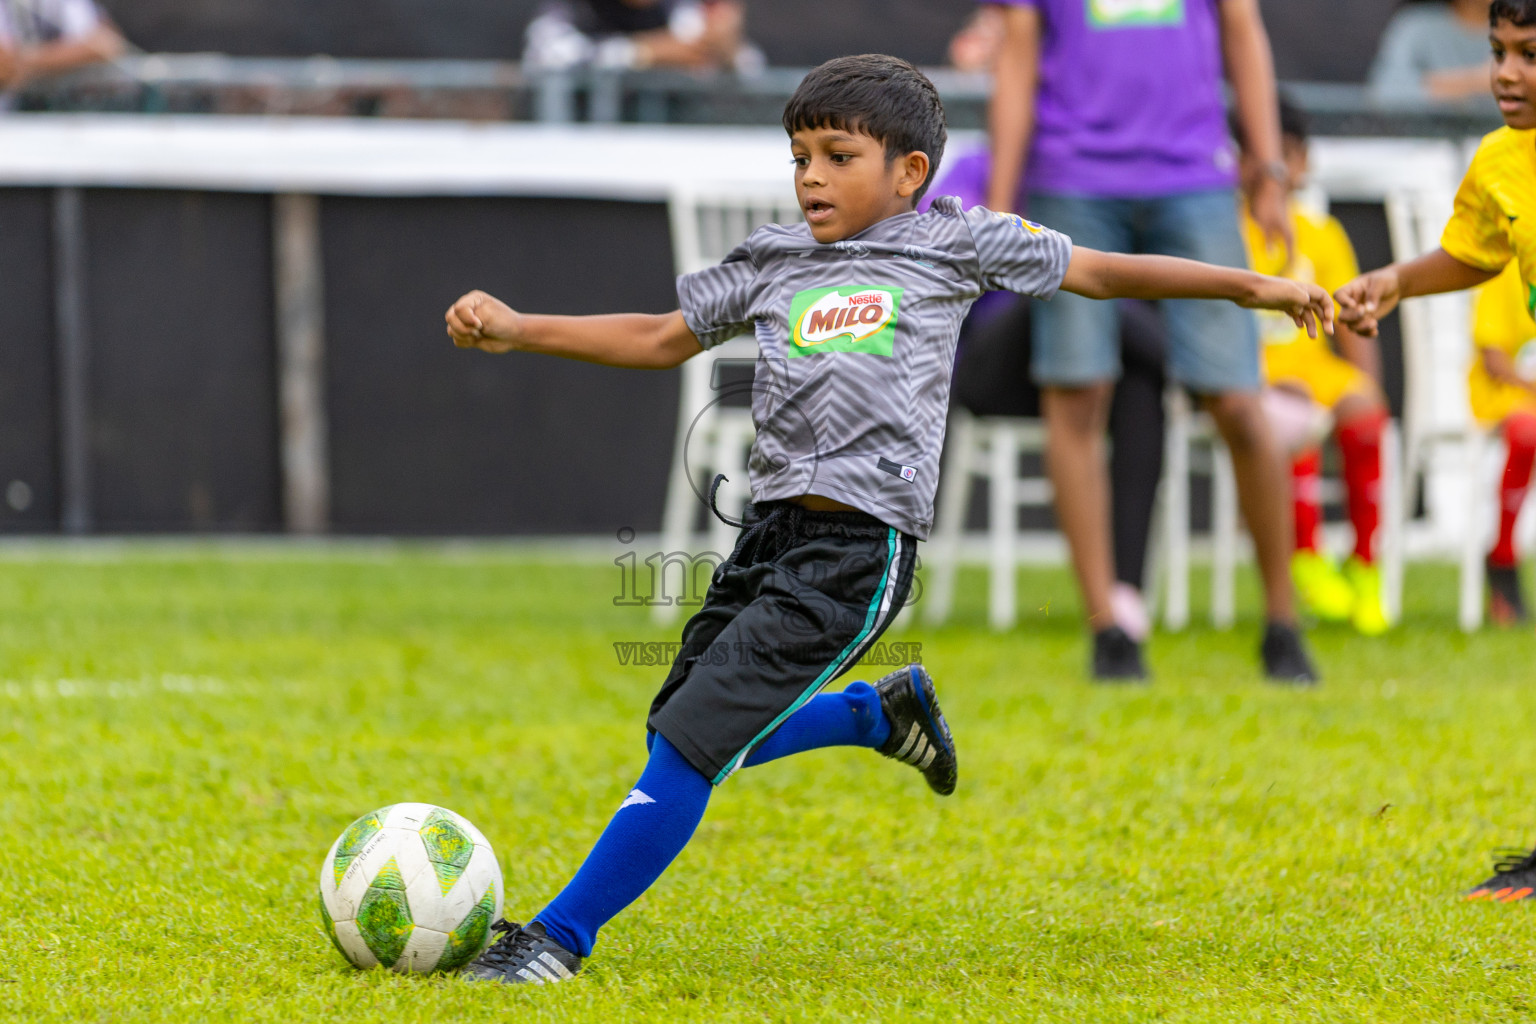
{"x": 954, "y": 492}
{"x": 1003, "y": 525}
{"x": 1224, "y": 518}
{"x": 1394, "y": 524}
{"x": 1472, "y": 581}
{"x": 1176, "y": 515}
{"x": 677, "y": 518}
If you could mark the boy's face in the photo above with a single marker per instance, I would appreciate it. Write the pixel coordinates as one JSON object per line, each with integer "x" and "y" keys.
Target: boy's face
{"x": 845, "y": 184}
{"x": 1514, "y": 72}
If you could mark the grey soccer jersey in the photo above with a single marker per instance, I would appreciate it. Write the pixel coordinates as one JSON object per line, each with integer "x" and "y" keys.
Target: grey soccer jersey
{"x": 856, "y": 345}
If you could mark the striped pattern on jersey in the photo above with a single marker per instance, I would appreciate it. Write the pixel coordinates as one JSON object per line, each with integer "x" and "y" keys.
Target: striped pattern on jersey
{"x": 856, "y": 345}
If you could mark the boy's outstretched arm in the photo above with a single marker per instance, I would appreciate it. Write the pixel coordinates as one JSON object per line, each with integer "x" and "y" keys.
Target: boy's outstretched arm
{"x": 640, "y": 341}
{"x": 1108, "y": 275}
{"x": 1369, "y": 297}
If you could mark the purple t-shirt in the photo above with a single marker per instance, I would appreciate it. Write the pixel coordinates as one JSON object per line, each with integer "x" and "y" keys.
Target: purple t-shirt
{"x": 1130, "y": 98}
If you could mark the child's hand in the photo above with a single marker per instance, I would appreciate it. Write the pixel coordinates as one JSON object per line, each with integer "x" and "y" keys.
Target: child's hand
{"x": 1368, "y": 298}
{"x": 1307, "y": 304}
{"x": 485, "y": 322}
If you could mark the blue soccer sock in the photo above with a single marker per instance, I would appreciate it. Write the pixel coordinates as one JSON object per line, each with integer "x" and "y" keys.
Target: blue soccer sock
{"x": 849, "y": 719}
{"x": 652, "y": 826}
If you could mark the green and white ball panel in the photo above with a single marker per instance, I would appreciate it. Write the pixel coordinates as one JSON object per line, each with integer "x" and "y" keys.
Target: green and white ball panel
{"x": 412, "y": 887}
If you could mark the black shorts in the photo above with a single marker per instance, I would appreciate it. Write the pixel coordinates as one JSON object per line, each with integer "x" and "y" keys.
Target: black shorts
{"x": 797, "y": 604}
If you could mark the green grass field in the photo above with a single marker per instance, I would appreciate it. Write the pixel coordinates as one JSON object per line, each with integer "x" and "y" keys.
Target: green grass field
{"x": 184, "y": 730}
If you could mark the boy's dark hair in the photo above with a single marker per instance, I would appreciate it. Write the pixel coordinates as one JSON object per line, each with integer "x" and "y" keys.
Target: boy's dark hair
{"x": 1517, "y": 12}
{"x": 1293, "y": 122}
{"x": 883, "y": 97}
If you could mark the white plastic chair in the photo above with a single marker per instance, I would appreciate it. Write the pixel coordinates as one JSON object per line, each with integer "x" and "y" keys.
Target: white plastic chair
{"x": 988, "y": 447}
{"x": 1416, "y": 182}
{"x": 1192, "y": 434}
{"x": 712, "y": 437}
{"x": 1436, "y": 352}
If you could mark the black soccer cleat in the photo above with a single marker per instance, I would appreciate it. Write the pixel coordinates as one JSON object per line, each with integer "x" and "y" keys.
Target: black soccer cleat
{"x": 919, "y": 735}
{"x": 1285, "y": 657}
{"x": 523, "y": 955}
{"x": 1506, "y": 604}
{"x": 1514, "y": 878}
{"x": 1117, "y": 658}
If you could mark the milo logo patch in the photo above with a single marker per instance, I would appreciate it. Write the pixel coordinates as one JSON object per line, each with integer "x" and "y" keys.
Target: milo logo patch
{"x": 1128, "y": 13}
{"x": 853, "y": 319}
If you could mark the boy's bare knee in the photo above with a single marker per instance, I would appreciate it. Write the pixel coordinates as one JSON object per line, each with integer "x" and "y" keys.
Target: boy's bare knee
{"x": 1078, "y": 410}
{"x": 1239, "y": 415}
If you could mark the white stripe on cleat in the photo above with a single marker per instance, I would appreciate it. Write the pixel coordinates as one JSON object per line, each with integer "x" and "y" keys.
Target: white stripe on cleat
{"x": 558, "y": 967}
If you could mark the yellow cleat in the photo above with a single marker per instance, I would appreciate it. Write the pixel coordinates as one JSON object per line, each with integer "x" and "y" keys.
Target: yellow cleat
{"x": 1369, "y": 615}
{"x": 1323, "y": 590}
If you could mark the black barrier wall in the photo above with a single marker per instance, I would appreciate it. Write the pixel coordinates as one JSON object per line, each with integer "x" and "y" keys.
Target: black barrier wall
{"x": 181, "y": 407}
{"x": 181, "y": 404}
{"x": 29, "y": 493}
{"x": 426, "y": 438}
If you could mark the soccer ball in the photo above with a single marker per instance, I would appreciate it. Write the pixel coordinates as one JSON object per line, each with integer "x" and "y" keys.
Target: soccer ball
{"x": 411, "y": 887}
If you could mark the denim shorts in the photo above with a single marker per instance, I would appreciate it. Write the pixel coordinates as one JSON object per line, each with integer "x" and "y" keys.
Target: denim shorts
{"x": 1212, "y": 346}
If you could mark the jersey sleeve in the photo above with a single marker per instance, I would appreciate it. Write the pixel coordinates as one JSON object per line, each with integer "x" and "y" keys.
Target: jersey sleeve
{"x": 1476, "y": 235}
{"x": 1016, "y": 255}
{"x": 715, "y": 302}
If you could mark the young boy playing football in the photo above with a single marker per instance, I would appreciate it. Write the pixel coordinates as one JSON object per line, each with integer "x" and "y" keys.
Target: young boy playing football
{"x": 1494, "y": 225}
{"x": 856, "y": 314}
{"x": 1344, "y": 383}
{"x": 1502, "y": 386}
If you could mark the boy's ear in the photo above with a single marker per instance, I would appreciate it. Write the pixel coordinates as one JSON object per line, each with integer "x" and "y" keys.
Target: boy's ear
{"x": 912, "y": 173}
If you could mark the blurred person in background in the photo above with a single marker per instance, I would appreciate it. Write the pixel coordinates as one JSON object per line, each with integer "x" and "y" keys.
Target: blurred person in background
{"x": 39, "y": 38}
{"x": 1435, "y": 50}
{"x": 992, "y": 379}
{"x": 1304, "y": 374}
{"x": 633, "y": 34}
{"x": 974, "y": 47}
{"x": 1489, "y": 240}
{"x": 1109, "y": 124}
{"x": 1502, "y": 385}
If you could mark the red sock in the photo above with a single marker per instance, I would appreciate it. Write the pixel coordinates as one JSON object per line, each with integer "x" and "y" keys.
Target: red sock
{"x": 1520, "y": 437}
{"x": 1306, "y": 487}
{"x": 1360, "y": 444}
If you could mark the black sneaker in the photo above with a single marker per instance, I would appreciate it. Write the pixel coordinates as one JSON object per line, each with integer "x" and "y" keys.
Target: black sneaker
{"x": 1116, "y": 657}
{"x": 919, "y": 735}
{"x": 1514, "y": 878}
{"x": 1506, "y": 605}
{"x": 1285, "y": 658}
{"x": 523, "y": 955}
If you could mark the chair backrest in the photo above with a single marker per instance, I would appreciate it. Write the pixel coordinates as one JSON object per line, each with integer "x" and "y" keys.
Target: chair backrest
{"x": 1416, "y": 181}
{"x": 707, "y": 223}
{"x": 1437, "y": 344}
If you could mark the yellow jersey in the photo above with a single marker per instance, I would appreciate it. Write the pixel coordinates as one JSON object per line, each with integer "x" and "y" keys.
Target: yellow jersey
{"x": 1502, "y": 320}
{"x": 1495, "y": 218}
{"x": 1324, "y": 257}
